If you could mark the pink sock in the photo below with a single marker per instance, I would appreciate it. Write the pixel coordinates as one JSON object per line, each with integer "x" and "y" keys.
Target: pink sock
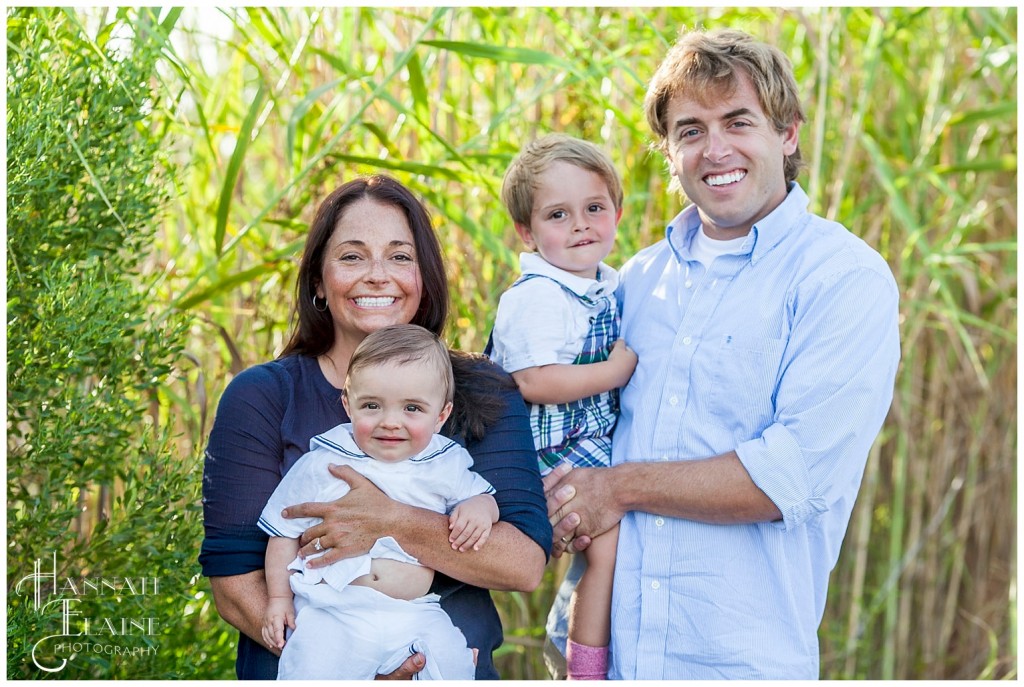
{"x": 586, "y": 662}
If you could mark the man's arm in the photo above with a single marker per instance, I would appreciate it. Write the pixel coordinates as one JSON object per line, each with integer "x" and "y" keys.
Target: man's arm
{"x": 714, "y": 490}
{"x": 828, "y": 409}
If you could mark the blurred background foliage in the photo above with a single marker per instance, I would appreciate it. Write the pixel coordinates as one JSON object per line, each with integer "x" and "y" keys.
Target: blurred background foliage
{"x": 163, "y": 166}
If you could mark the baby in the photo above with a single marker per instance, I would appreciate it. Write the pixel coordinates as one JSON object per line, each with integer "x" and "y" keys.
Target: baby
{"x": 363, "y": 616}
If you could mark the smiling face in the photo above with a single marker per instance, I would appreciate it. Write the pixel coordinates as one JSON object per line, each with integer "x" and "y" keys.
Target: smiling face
{"x": 370, "y": 275}
{"x": 395, "y": 409}
{"x": 574, "y": 219}
{"x": 729, "y": 159}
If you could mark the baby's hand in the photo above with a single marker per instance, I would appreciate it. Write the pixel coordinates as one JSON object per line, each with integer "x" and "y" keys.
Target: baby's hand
{"x": 624, "y": 361}
{"x": 471, "y": 521}
{"x": 280, "y": 612}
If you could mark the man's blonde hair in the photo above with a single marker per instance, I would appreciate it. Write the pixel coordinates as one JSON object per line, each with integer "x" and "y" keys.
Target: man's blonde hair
{"x": 536, "y": 157}
{"x": 705, "y": 66}
{"x": 403, "y": 344}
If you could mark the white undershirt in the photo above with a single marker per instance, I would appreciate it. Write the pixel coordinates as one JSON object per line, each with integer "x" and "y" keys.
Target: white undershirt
{"x": 705, "y": 249}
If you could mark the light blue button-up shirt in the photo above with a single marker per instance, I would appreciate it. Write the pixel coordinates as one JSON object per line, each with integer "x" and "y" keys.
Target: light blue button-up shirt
{"x": 787, "y": 354}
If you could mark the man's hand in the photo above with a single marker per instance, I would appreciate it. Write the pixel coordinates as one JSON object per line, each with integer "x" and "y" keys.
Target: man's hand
{"x": 563, "y": 522}
{"x": 408, "y": 670}
{"x": 413, "y": 665}
{"x": 350, "y": 524}
{"x": 581, "y": 505}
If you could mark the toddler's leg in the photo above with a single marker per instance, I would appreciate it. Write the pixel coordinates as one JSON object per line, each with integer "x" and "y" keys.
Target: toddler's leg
{"x": 590, "y": 611}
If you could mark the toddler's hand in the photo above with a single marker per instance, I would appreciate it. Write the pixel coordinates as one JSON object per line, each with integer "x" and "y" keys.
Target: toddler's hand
{"x": 280, "y": 612}
{"x": 624, "y": 361}
{"x": 470, "y": 522}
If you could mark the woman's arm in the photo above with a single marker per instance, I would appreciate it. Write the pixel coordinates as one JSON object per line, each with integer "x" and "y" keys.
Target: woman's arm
{"x": 511, "y": 561}
{"x": 514, "y": 557}
{"x": 241, "y": 470}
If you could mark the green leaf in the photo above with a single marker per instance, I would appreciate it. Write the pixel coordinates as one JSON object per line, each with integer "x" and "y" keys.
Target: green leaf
{"x": 887, "y": 178}
{"x": 1006, "y": 163}
{"x": 997, "y": 111}
{"x": 232, "y": 281}
{"x": 235, "y": 167}
{"x": 418, "y": 88}
{"x": 499, "y": 53}
{"x": 400, "y": 165}
{"x": 301, "y": 108}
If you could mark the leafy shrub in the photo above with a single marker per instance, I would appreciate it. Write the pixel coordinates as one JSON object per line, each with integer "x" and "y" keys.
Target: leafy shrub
{"x": 94, "y": 485}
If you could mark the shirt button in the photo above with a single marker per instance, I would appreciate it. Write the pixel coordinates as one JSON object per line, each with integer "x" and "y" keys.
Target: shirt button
{"x": 687, "y": 340}
{"x": 688, "y": 283}
{"x": 665, "y": 457}
{"x": 655, "y": 585}
{"x": 673, "y": 401}
{"x": 659, "y": 522}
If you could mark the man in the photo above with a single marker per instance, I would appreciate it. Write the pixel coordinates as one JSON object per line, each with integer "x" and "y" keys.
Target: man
{"x": 768, "y": 345}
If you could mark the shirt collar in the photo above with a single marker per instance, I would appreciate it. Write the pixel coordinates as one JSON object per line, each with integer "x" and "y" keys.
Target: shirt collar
{"x": 764, "y": 235}
{"x": 339, "y": 440}
{"x": 607, "y": 281}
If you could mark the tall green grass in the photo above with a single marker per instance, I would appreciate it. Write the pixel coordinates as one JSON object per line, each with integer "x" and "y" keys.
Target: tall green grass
{"x": 911, "y": 143}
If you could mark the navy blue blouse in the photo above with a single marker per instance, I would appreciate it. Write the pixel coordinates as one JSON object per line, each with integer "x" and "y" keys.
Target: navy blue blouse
{"x": 264, "y": 422}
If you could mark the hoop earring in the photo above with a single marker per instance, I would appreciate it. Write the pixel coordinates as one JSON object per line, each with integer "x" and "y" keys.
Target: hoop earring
{"x": 317, "y": 307}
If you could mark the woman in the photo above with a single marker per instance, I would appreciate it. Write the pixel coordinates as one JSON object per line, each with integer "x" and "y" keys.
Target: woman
{"x": 371, "y": 260}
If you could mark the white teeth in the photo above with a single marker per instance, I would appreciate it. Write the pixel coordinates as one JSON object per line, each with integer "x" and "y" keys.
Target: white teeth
{"x": 722, "y": 179}
{"x": 379, "y": 302}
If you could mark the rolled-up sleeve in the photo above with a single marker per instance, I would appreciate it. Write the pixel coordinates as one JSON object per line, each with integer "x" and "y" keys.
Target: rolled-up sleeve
{"x": 241, "y": 469}
{"x": 834, "y": 391}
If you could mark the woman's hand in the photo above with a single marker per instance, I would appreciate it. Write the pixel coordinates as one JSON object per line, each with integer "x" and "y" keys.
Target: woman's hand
{"x": 350, "y": 524}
